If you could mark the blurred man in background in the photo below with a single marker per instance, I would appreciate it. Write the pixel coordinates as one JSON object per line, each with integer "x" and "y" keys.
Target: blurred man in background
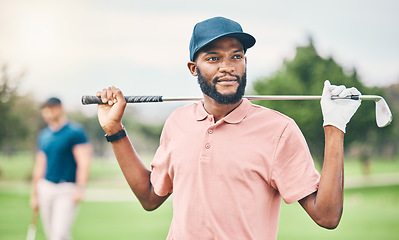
{"x": 61, "y": 170}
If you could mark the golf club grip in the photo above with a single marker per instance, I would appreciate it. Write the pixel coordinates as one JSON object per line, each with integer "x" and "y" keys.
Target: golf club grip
{"x": 353, "y": 97}
{"x": 129, "y": 99}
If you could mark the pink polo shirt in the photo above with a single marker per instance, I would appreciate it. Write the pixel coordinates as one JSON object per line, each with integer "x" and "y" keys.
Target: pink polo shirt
{"x": 228, "y": 177}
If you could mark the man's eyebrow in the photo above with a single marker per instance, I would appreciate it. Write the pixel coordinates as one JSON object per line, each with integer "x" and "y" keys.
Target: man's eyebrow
{"x": 239, "y": 50}
{"x": 211, "y": 52}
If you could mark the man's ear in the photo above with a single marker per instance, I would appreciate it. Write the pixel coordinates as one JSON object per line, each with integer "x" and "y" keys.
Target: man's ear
{"x": 192, "y": 66}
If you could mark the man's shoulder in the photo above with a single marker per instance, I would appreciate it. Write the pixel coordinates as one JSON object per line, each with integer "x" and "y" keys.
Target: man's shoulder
{"x": 273, "y": 121}
{"x": 44, "y": 131}
{"x": 75, "y": 127}
{"x": 261, "y": 111}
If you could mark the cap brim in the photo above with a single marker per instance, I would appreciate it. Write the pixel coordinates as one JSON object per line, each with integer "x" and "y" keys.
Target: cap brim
{"x": 246, "y": 40}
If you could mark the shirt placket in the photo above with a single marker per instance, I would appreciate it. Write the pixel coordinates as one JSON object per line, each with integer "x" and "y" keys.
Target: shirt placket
{"x": 207, "y": 146}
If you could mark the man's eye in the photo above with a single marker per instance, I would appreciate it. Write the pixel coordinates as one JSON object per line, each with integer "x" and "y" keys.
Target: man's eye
{"x": 212, "y": 59}
{"x": 237, "y": 57}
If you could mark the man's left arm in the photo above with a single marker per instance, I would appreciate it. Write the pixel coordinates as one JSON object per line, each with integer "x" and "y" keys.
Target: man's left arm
{"x": 83, "y": 154}
{"x": 326, "y": 204}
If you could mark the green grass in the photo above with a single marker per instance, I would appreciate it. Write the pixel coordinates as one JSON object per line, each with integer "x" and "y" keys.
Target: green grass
{"x": 353, "y": 167}
{"x": 15, "y": 215}
{"x": 124, "y": 220}
{"x": 96, "y": 220}
{"x": 16, "y": 167}
{"x": 19, "y": 167}
{"x": 369, "y": 213}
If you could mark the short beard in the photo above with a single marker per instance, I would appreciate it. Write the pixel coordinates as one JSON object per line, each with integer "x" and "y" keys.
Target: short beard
{"x": 210, "y": 90}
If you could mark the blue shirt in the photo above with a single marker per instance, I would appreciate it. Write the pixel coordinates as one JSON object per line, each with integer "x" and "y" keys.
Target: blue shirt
{"x": 61, "y": 164}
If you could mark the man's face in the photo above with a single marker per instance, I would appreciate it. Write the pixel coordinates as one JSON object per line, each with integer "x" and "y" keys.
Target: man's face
{"x": 209, "y": 88}
{"x": 221, "y": 70}
{"x": 52, "y": 114}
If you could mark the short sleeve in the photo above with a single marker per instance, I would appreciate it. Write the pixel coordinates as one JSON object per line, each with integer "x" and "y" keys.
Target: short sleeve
{"x": 294, "y": 174}
{"x": 161, "y": 171}
{"x": 39, "y": 141}
{"x": 79, "y": 136}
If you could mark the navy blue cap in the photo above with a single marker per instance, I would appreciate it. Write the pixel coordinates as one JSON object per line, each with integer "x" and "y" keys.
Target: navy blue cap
{"x": 51, "y": 102}
{"x": 214, "y": 28}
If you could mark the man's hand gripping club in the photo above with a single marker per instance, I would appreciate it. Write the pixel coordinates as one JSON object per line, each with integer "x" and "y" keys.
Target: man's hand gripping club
{"x": 338, "y": 112}
{"x": 110, "y": 115}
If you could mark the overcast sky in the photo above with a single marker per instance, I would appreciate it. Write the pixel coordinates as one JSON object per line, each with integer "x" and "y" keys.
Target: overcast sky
{"x": 75, "y": 47}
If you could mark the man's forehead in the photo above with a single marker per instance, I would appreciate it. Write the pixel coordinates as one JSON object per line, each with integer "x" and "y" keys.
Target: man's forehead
{"x": 51, "y": 108}
{"x": 225, "y": 43}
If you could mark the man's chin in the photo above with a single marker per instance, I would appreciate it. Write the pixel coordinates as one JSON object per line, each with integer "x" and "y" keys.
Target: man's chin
{"x": 226, "y": 99}
{"x": 227, "y": 94}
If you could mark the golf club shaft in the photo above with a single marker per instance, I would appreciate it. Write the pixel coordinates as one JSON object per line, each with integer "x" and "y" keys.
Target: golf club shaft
{"x": 141, "y": 99}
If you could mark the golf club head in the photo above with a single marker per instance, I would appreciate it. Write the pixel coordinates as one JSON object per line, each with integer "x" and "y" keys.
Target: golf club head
{"x": 31, "y": 232}
{"x": 383, "y": 114}
{"x": 31, "y": 235}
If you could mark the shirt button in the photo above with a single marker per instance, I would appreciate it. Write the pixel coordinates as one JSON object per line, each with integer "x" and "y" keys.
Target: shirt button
{"x": 210, "y": 131}
{"x": 207, "y": 146}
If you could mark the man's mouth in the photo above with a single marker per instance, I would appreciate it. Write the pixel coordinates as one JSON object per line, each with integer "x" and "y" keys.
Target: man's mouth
{"x": 226, "y": 80}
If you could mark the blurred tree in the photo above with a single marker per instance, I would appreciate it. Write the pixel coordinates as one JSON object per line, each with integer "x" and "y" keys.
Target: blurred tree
{"x": 305, "y": 75}
{"x": 389, "y": 144}
{"x": 18, "y": 114}
{"x": 21, "y": 121}
{"x": 145, "y": 136}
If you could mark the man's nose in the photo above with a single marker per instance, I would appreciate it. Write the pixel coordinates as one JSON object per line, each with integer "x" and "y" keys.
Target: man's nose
{"x": 226, "y": 66}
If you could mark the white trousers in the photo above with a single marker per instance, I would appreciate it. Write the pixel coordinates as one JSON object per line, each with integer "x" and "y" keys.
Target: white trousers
{"x": 57, "y": 208}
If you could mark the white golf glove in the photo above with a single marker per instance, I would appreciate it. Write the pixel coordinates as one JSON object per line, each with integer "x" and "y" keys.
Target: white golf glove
{"x": 338, "y": 112}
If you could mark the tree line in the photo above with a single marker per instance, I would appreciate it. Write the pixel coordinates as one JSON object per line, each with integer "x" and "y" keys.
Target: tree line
{"x": 305, "y": 75}
{"x": 21, "y": 120}
{"x": 302, "y": 75}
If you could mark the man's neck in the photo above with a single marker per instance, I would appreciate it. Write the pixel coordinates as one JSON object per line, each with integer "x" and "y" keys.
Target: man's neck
{"x": 57, "y": 125}
{"x": 217, "y": 110}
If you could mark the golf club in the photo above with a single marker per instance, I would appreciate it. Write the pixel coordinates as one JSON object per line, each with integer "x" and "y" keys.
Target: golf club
{"x": 383, "y": 114}
{"x": 32, "y": 227}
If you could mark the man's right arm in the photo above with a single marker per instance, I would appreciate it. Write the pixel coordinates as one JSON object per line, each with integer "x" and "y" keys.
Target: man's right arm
{"x": 136, "y": 173}
{"x": 38, "y": 173}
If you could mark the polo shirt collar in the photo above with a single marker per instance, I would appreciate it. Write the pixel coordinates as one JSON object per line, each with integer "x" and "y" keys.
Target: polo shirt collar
{"x": 236, "y": 116}
{"x": 200, "y": 112}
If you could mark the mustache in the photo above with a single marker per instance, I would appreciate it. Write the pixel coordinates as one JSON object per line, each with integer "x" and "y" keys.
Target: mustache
{"x": 216, "y": 79}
